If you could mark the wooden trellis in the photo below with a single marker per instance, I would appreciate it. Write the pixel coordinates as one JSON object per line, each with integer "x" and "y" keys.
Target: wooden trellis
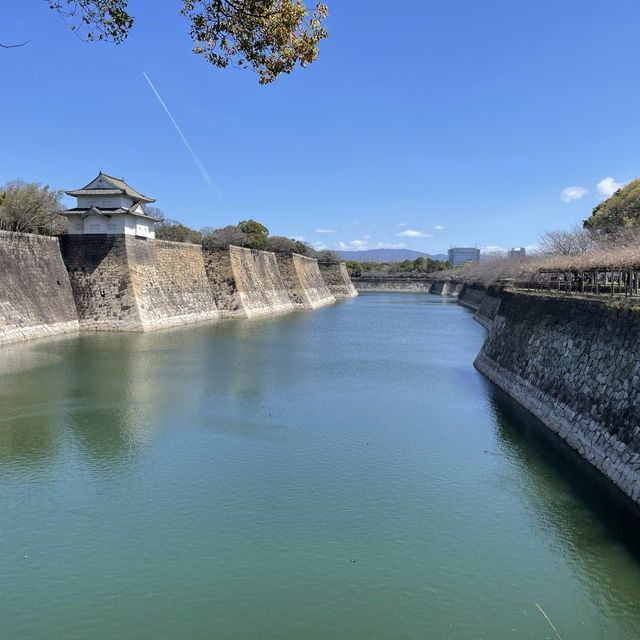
{"x": 597, "y": 281}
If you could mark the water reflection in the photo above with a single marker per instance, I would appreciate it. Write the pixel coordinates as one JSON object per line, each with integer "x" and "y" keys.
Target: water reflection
{"x": 111, "y": 391}
{"x": 233, "y": 453}
{"x": 584, "y": 515}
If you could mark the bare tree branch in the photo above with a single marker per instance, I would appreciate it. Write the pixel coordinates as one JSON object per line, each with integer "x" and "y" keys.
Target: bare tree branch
{"x": 14, "y": 46}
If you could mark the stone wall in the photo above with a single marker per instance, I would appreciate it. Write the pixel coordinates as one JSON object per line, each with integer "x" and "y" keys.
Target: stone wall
{"x": 336, "y": 277}
{"x": 246, "y": 282}
{"x": 303, "y": 281}
{"x": 389, "y": 284}
{"x": 121, "y": 283}
{"x": 489, "y": 307}
{"x": 35, "y": 293}
{"x": 575, "y": 364}
{"x": 169, "y": 283}
{"x": 125, "y": 283}
{"x": 452, "y": 288}
{"x": 259, "y": 281}
{"x": 222, "y": 281}
{"x": 100, "y": 278}
{"x": 472, "y": 295}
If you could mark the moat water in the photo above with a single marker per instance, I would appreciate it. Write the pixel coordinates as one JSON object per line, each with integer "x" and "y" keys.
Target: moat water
{"x": 343, "y": 473}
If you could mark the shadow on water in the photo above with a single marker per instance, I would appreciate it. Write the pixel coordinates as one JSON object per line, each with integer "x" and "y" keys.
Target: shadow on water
{"x": 592, "y": 523}
{"x": 555, "y": 478}
{"x": 111, "y": 391}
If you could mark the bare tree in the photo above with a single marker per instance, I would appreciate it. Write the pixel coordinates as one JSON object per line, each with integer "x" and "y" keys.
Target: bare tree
{"x": 30, "y": 208}
{"x": 222, "y": 238}
{"x": 329, "y": 256}
{"x": 573, "y": 242}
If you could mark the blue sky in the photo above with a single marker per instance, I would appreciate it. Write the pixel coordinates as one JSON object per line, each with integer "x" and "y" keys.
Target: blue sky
{"x": 422, "y": 124}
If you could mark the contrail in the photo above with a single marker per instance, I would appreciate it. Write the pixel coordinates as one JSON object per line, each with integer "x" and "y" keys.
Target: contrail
{"x": 199, "y": 164}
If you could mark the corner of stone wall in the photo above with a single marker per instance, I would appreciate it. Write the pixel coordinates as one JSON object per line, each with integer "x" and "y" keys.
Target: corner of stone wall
{"x": 100, "y": 276}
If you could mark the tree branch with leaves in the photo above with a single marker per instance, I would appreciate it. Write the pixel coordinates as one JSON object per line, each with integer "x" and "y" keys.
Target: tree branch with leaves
{"x": 268, "y": 36}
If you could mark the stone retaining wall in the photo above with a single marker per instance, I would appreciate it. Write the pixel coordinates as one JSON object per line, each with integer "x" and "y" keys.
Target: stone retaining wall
{"x": 122, "y": 283}
{"x": 303, "y": 281}
{"x": 35, "y": 292}
{"x": 452, "y": 288}
{"x": 382, "y": 285}
{"x": 222, "y": 282}
{"x": 169, "y": 282}
{"x": 100, "y": 278}
{"x": 575, "y": 364}
{"x": 472, "y": 295}
{"x": 246, "y": 282}
{"x": 259, "y": 281}
{"x": 336, "y": 277}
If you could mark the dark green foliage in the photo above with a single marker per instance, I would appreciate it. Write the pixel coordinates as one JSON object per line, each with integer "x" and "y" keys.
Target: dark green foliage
{"x": 414, "y": 267}
{"x": 354, "y": 268}
{"x": 621, "y": 210}
{"x": 257, "y": 234}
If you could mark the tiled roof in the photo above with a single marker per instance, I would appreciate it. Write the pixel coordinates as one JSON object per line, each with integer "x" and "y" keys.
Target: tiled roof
{"x": 119, "y": 187}
{"x": 105, "y": 211}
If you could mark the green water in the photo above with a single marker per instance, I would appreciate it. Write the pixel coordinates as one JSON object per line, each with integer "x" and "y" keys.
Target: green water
{"x": 343, "y": 473}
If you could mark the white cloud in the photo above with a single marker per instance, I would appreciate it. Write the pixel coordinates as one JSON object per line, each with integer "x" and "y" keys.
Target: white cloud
{"x": 364, "y": 243}
{"x": 532, "y": 248}
{"x": 391, "y": 245}
{"x": 412, "y": 233}
{"x": 298, "y": 238}
{"x": 325, "y": 231}
{"x": 608, "y": 187}
{"x": 572, "y": 193}
{"x": 360, "y": 243}
{"x": 319, "y": 246}
{"x": 492, "y": 248}
{"x": 439, "y": 227}
{"x": 403, "y": 224}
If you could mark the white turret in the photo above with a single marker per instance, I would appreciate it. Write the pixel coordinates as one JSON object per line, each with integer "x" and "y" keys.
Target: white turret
{"x": 108, "y": 205}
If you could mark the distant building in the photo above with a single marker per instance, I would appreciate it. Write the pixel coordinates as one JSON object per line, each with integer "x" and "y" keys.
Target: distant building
{"x": 459, "y": 255}
{"x": 108, "y": 205}
{"x": 518, "y": 251}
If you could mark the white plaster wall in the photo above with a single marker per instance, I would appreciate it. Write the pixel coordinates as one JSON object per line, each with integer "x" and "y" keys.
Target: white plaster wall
{"x": 145, "y": 228}
{"x": 75, "y": 225}
{"x": 95, "y": 224}
{"x": 107, "y": 202}
{"x": 117, "y": 224}
{"x": 135, "y": 226}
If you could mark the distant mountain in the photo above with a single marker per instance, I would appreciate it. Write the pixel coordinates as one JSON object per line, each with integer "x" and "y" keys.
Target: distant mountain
{"x": 387, "y": 255}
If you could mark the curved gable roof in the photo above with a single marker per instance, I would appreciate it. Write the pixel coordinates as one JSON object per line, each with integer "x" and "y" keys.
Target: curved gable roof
{"x": 119, "y": 186}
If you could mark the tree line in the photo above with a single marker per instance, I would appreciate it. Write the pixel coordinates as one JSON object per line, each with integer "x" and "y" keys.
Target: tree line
{"x": 420, "y": 265}
{"x": 33, "y": 208}
{"x": 247, "y": 233}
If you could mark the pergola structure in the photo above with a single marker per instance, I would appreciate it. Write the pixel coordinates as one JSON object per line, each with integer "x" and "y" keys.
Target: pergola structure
{"x": 593, "y": 280}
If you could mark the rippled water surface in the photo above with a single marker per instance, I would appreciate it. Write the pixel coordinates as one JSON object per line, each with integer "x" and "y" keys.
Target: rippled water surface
{"x": 343, "y": 473}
